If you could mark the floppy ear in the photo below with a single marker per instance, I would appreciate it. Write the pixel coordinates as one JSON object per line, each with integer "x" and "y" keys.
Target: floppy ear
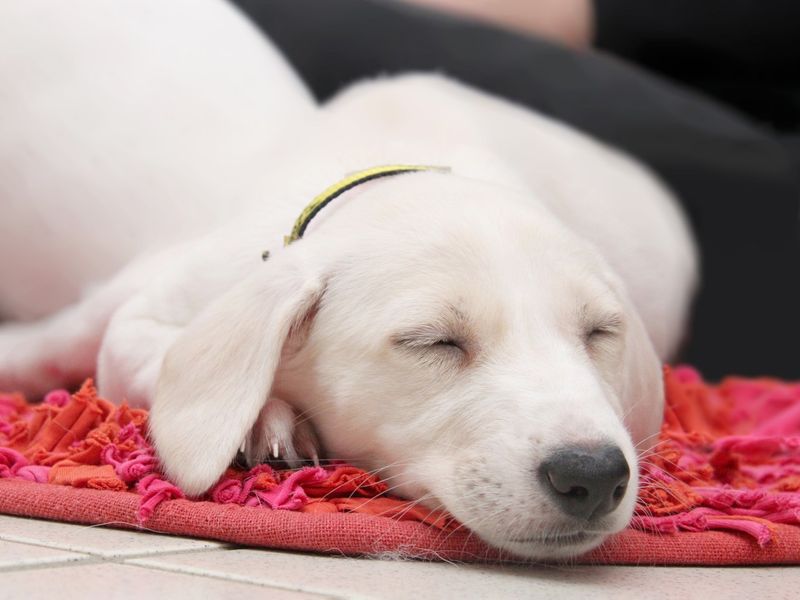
{"x": 642, "y": 385}
{"x": 218, "y": 374}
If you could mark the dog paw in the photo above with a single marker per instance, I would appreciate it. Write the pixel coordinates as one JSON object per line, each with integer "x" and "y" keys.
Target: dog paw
{"x": 279, "y": 434}
{"x": 22, "y": 368}
{"x": 35, "y": 360}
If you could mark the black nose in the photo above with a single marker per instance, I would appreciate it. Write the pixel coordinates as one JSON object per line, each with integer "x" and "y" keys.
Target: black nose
{"x": 586, "y": 482}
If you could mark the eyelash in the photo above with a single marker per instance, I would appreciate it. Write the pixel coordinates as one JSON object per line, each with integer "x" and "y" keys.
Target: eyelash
{"x": 601, "y": 333}
{"x": 426, "y": 344}
{"x": 431, "y": 350}
{"x": 446, "y": 343}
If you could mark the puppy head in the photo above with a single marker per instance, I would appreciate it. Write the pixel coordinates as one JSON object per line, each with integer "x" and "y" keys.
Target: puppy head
{"x": 454, "y": 337}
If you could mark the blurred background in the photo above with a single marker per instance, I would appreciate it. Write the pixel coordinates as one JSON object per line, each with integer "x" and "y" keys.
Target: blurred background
{"x": 705, "y": 93}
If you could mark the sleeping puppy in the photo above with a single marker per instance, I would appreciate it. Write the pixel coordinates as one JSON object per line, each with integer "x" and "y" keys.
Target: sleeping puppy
{"x": 484, "y": 328}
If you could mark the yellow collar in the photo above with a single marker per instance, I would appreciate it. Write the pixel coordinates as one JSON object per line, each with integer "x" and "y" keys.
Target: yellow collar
{"x": 340, "y": 187}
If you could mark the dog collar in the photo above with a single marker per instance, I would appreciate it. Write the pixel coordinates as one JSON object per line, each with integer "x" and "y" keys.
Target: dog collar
{"x": 340, "y": 187}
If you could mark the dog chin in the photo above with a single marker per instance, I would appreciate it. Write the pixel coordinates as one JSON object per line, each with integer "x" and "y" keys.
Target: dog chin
{"x": 551, "y": 548}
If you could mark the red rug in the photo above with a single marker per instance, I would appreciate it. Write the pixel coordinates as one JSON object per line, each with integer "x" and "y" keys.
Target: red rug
{"x": 722, "y": 486}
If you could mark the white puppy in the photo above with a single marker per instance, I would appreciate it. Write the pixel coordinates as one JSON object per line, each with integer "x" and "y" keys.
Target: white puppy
{"x": 489, "y": 337}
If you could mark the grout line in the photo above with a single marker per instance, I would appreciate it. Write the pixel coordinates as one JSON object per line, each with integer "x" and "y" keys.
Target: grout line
{"x": 100, "y": 554}
{"x": 121, "y": 558}
{"x": 238, "y": 579}
{"x": 86, "y": 559}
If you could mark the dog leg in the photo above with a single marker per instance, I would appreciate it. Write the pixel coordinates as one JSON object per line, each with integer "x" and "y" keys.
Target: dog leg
{"x": 59, "y": 350}
{"x": 279, "y": 434}
{"x": 62, "y": 349}
{"x": 184, "y": 279}
{"x": 132, "y": 351}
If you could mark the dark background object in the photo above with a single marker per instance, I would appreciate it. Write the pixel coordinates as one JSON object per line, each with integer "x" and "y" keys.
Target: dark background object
{"x": 744, "y": 52}
{"x": 737, "y": 183}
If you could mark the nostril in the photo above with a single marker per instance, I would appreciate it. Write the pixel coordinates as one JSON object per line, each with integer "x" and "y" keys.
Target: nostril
{"x": 563, "y": 486}
{"x": 619, "y": 491}
{"x": 586, "y": 482}
{"x": 578, "y": 492}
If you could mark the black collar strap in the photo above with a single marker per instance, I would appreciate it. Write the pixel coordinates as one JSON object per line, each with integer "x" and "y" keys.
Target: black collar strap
{"x": 340, "y": 187}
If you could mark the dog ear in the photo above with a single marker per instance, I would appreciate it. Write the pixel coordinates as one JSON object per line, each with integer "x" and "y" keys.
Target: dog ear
{"x": 642, "y": 385}
{"x": 217, "y": 376}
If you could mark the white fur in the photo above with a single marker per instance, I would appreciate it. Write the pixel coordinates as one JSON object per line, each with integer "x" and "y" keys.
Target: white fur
{"x": 537, "y": 234}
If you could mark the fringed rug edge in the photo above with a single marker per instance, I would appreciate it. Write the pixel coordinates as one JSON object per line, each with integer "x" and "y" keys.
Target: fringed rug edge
{"x": 367, "y": 535}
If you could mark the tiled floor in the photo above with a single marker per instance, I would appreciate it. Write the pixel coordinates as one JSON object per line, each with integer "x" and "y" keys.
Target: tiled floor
{"x": 40, "y": 559}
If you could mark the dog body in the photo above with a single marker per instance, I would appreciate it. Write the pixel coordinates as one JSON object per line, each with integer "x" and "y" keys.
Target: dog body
{"x": 459, "y": 332}
{"x": 125, "y": 127}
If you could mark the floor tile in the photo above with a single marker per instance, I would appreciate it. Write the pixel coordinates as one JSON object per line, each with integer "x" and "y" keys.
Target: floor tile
{"x": 14, "y": 555}
{"x": 361, "y": 578}
{"x": 99, "y": 541}
{"x": 111, "y": 581}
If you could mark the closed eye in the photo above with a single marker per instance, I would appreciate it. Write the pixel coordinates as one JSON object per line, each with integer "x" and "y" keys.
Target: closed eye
{"x": 448, "y": 342}
{"x": 428, "y": 343}
{"x": 431, "y": 345}
{"x": 605, "y": 329}
{"x": 601, "y": 332}
{"x": 441, "y": 340}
